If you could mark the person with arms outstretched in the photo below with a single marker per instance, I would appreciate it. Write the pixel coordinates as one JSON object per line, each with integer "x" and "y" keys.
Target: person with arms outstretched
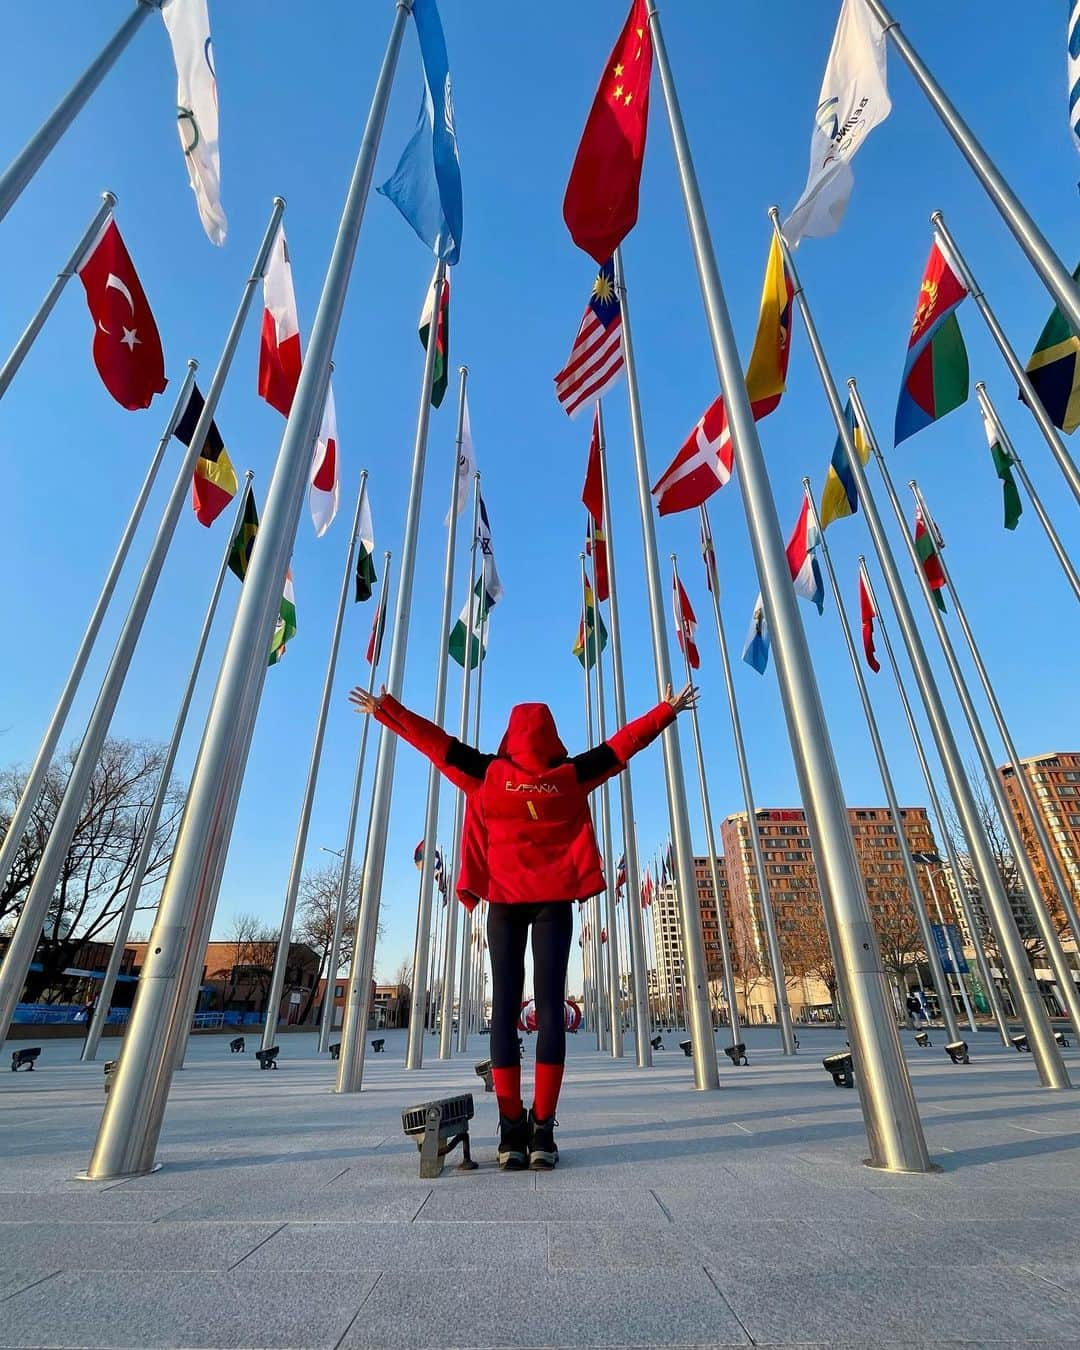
{"x": 529, "y": 848}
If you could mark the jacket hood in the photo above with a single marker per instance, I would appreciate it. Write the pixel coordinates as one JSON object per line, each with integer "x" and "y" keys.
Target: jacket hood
{"x": 531, "y": 739}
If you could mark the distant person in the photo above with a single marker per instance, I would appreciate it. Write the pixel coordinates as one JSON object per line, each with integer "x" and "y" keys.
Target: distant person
{"x": 87, "y": 1015}
{"x": 915, "y": 1010}
{"x": 528, "y": 847}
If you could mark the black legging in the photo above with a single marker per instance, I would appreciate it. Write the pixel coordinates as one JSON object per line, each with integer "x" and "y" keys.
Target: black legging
{"x": 508, "y": 931}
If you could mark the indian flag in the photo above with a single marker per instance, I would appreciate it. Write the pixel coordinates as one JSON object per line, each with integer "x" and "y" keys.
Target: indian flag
{"x": 285, "y": 627}
{"x": 484, "y": 598}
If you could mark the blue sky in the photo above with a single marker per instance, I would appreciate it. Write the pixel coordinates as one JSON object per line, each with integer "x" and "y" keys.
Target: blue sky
{"x": 293, "y": 96}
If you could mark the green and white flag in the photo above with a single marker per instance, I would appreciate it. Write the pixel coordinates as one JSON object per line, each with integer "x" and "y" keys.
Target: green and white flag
{"x": 1003, "y": 463}
{"x": 365, "y": 552}
{"x": 285, "y": 627}
{"x": 482, "y": 604}
{"x": 487, "y": 593}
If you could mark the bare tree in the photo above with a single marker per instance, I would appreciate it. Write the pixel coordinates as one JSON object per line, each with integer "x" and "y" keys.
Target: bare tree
{"x": 315, "y": 921}
{"x": 403, "y": 974}
{"x": 100, "y": 861}
{"x": 1007, "y": 870}
{"x": 809, "y": 953}
{"x": 899, "y": 939}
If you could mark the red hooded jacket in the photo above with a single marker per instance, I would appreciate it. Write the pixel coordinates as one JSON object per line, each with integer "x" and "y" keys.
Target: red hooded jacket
{"x": 528, "y": 832}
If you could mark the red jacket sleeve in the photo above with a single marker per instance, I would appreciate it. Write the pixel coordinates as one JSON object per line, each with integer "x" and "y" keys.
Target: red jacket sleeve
{"x": 424, "y": 736}
{"x": 635, "y": 736}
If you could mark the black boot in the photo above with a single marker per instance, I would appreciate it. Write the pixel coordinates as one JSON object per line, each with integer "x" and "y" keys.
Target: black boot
{"x": 513, "y": 1153}
{"x": 543, "y": 1151}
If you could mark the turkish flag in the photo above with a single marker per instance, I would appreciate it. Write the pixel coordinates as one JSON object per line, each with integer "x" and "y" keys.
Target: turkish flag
{"x": 601, "y": 203}
{"x": 127, "y": 348}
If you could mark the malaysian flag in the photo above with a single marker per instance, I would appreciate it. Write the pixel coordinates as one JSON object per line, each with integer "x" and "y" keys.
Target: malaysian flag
{"x": 597, "y": 356}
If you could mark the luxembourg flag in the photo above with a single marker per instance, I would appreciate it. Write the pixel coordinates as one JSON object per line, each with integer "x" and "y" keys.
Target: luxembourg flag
{"x": 325, "y": 488}
{"x": 805, "y": 572}
{"x": 279, "y": 343}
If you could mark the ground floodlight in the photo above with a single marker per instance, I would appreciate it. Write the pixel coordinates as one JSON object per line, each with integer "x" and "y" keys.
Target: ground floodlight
{"x": 483, "y": 1070}
{"x": 1061, "y": 1038}
{"x": 657, "y": 1043}
{"x": 736, "y": 1053}
{"x": 438, "y": 1127}
{"x": 922, "y": 1040}
{"x": 237, "y": 1045}
{"x": 841, "y": 1068}
{"x": 110, "y": 1068}
{"x": 335, "y": 1050}
{"x": 958, "y": 1052}
{"x": 268, "y": 1058}
{"x": 687, "y": 1047}
{"x": 1020, "y": 1043}
{"x": 24, "y": 1058}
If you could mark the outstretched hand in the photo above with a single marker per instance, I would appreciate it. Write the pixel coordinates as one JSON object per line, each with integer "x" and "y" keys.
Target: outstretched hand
{"x": 364, "y": 701}
{"x": 686, "y": 698}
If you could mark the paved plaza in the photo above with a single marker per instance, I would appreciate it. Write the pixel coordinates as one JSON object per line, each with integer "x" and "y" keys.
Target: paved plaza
{"x": 287, "y": 1216}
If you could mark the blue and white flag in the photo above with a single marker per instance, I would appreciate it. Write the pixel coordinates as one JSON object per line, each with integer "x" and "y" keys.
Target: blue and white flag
{"x": 1074, "y": 69}
{"x": 756, "y": 650}
{"x": 426, "y": 185}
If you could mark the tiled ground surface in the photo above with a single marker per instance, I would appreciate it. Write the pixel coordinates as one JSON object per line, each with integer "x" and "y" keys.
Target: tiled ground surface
{"x": 286, "y": 1216}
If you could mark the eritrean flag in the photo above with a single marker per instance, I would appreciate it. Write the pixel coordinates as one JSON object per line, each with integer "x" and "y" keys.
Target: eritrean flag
{"x": 935, "y": 377}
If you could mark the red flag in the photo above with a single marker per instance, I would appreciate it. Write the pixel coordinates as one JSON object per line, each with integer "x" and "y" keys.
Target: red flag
{"x": 378, "y": 626}
{"x": 702, "y": 465}
{"x": 592, "y": 494}
{"x": 601, "y": 203}
{"x": 708, "y": 552}
{"x": 279, "y": 341}
{"x": 869, "y": 614}
{"x": 685, "y": 623}
{"x": 127, "y": 348}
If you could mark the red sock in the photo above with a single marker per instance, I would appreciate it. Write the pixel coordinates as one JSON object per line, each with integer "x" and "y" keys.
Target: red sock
{"x": 546, "y": 1097}
{"x": 508, "y": 1092}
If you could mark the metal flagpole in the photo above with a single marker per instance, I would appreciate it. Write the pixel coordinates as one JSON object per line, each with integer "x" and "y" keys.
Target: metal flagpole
{"x": 23, "y": 944}
{"x": 292, "y": 886}
{"x": 414, "y": 1053}
{"x": 1027, "y": 234}
{"x": 35, "y": 779}
{"x": 23, "y": 167}
{"x": 344, "y": 880}
{"x": 1022, "y": 857}
{"x": 431, "y": 995}
{"x": 446, "y": 1028}
{"x": 131, "y": 900}
{"x": 614, "y": 976}
{"x": 703, "y": 1041}
{"x": 990, "y": 412}
{"x": 935, "y": 803}
{"x": 888, "y": 1104}
{"x": 34, "y": 327}
{"x": 128, "y": 1135}
{"x": 592, "y": 905}
{"x": 469, "y": 929}
{"x": 1048, "y": 1061}
{"x": 1056, "y": 445}
{"x": 728, "y": 968}
{"x": 351, "y": 1064}
{"x": 922, "y": 919}
{"x": 949, "y": 948}
{"x": 636, "y": 945}
{"x": 768, "y": 914}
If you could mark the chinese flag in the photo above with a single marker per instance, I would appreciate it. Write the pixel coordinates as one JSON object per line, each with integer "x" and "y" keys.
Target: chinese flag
{"x": 127, "y": 349}
{"x": 601, "y": 203}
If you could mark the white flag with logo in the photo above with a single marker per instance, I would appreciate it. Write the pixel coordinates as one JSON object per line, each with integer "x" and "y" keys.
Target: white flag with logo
{"x": 197, "y": 107}
{"x": 854, "y": 100}
{"x": 466, "y": 464}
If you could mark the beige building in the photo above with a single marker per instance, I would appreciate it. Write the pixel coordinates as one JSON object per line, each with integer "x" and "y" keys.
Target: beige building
{"x": 1054, "y": 781}
{"x": 793, "y": 888}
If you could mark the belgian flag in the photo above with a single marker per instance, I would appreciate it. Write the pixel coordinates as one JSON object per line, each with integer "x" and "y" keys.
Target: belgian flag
{"x": 1054, "y": 370}
{"x": 214, "y": 483}
{"x": 244, "y": 538}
